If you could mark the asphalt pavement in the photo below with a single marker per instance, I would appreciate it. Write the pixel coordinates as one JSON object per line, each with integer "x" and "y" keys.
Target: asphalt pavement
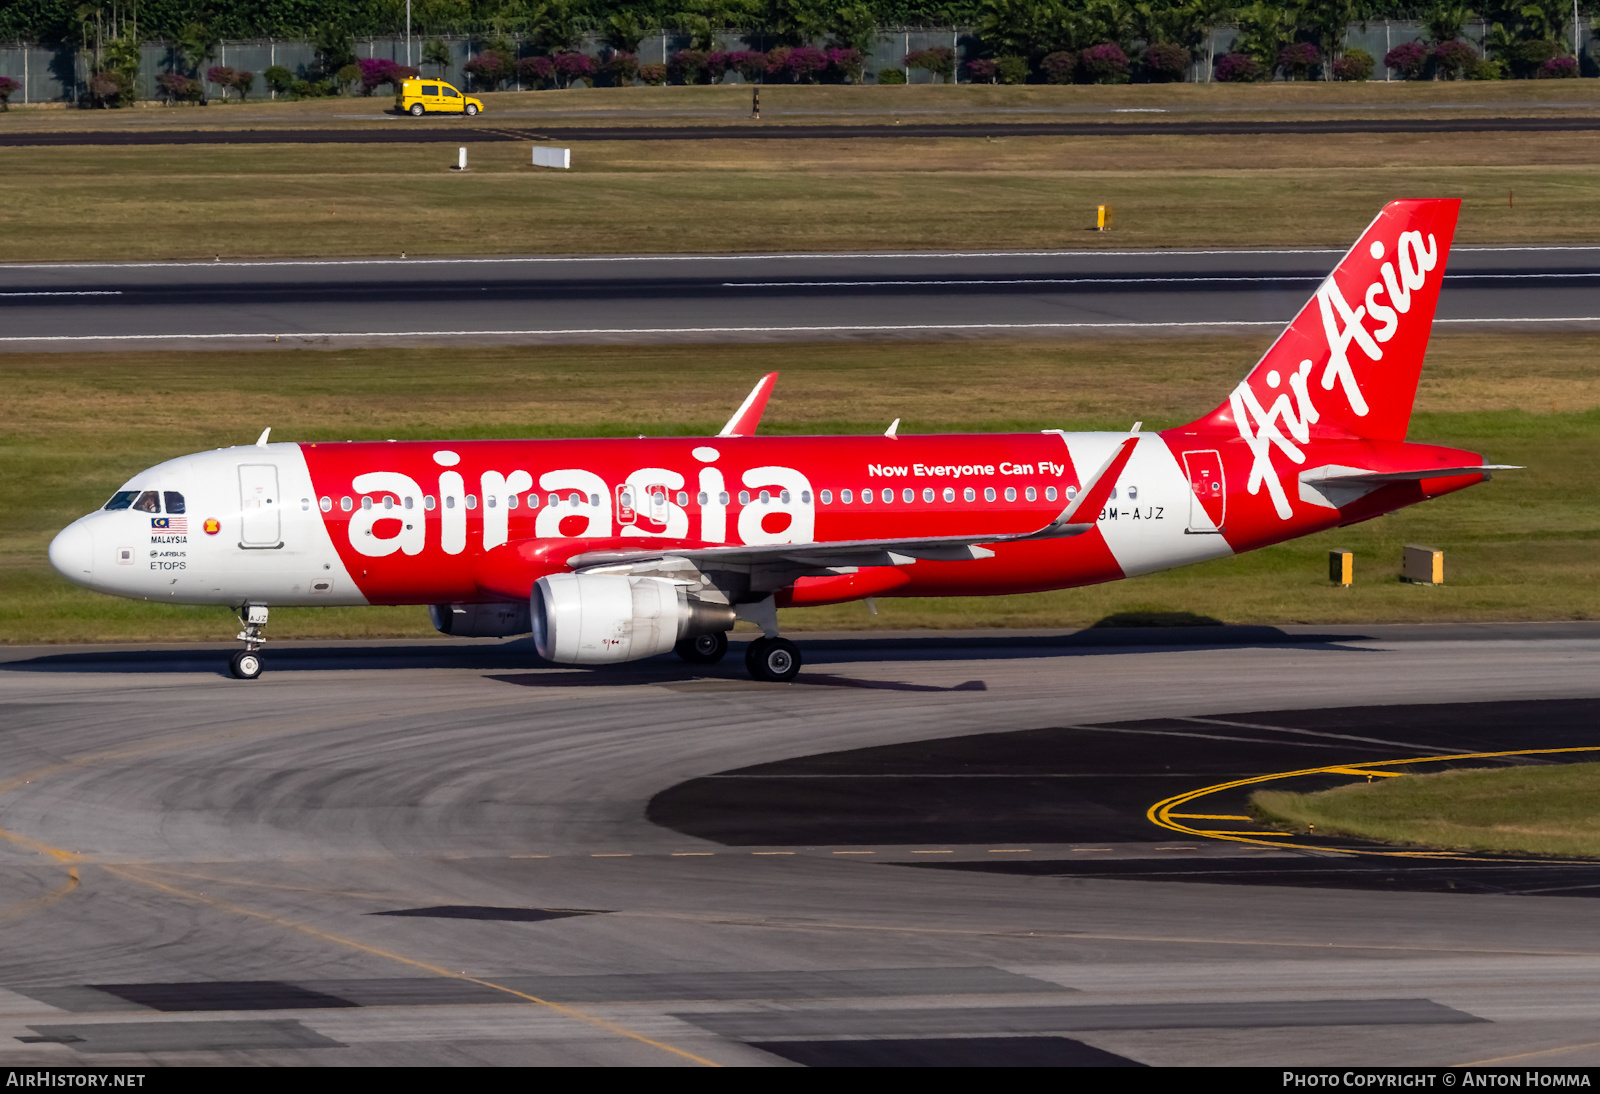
{"x": 621, "y": 298}
{"x": 445, "y": 851}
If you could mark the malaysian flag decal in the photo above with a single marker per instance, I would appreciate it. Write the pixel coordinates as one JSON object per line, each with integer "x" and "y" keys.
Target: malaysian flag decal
{"x": 172, "y": 526}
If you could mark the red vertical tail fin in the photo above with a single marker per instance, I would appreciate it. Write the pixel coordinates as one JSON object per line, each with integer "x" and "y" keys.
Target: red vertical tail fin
{"x": 1348, "y": 365}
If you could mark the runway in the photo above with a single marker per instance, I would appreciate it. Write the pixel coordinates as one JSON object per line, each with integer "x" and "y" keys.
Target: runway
{"x": 406, "y": 130}
{"x": 619, "y": 298}
{"x": 929, "y": 849}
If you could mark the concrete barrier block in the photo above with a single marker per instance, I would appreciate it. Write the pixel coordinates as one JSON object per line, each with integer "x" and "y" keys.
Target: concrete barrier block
{"x": 545, "y": 156}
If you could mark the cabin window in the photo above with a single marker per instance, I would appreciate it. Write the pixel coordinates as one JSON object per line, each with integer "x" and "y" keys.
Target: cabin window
{"x": 511, "y": 501}
{"x": 722, "y": 498}
{"x": 766, "y": 497}
{"x": 305, "y": 505}
{"x": 594, "y": 500}
{"x": 1133, "y": 493}
{"x": 866, "y": 495}
{"x": 969, "y": 494}
{"x": 927, "y": 493}
{"x": 827, "y": 497}
{"x": 427, "y": 502}
{"x": 366, "y": 503}
{"x": 949, "y": 493}
{"x": 1049, "y": 493}
{"x": 1113, "y": 493}
{"x": 122, "y": 499}
{"x": 908, "y": 495}
{"x": 744, "y": 497}
{"x": 326, "y": 504}
{"x": 988, "y": 493}
{"x": 783, "y": 496}
{"x": 388, "y": 503}
{"x": 174, "y": 502}
{"x": 554, "y": 499}
{"x": 1033, "y": 495}
{"x": 846, "y": 497}
{"x": 450, "y": 501}
{"x": 344, "y": 504}
{"x": 1011, "y": 493}
{"x": 472, "y": 501}
{"x": 533, "y": 501}
{"x": 888, "y": 496}
{"x": 1072, "y": 492}
{"x": 805, "y": 497}
{"x": 702, "y": 498}
{"x": 574, "y": 499}
{"x": 491, "y": 501}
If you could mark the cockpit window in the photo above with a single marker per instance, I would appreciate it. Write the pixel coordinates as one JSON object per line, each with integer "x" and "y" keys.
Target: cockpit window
{"x": 149, "y": 502}
{"x": 174, "y": 501}
{"x": 122, "y": 499}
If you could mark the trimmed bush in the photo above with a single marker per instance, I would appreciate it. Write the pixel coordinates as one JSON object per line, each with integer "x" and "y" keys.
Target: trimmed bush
{"x": 279, "y": 80}
{"x": 686, "y": 66}
{"x": 1060, "y": 68}
{"x": 175, "y": 87}
{"x": 1104, "y": 64}
{"x": 489, "y": 69}
{"x": 1408, "y": 58}
{"x": 891, "y": 76}
{"x": 750, "y": 64}
{"x": 8, "y": 88}
{"x": 1454, "y": 60}
{"x": 778, "y": 62}
{"x": 1298, "y": 59}
{"x": 806, "y": 63}
{"x": 1166, "y": 64}
{"x": 981, "y": 71}
{"x": 573, "y": 67}
{"x": 654, "y": 75}
{"x": 939, "y": 61}
{"x": 537, "y": 72}
{"x": 846, "y": 65}
{"x": 1356, "y": 64}
{"x": 1012, "y": 70}
{"x": 621, "y": 68}
{"x": 1238, "y": 68}
{"x": 375, "y": 72}
{"x": 1558, "y": 68}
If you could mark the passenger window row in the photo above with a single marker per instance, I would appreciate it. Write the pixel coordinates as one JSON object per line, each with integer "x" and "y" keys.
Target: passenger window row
{"x": 948, "y": 494}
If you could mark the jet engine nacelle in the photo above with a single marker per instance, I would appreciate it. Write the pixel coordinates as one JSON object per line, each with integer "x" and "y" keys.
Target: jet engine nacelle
{"x": 480, "y": 620}
{"x": 592, "y": 619}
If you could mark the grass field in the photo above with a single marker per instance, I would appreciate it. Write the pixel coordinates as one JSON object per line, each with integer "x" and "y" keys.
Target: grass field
{"x": 780, "y": 104}
{"x": 197, "y": 201}
{"x": 1526, "y": 546}
{"x": 1543, "y": 810}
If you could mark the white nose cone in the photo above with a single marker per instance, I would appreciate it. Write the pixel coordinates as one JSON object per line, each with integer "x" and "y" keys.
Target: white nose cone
{"x": 72, "y": 553}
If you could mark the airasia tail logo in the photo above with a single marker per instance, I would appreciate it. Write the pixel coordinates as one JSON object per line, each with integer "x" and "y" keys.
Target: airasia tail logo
{"x": 1286, "y": 423}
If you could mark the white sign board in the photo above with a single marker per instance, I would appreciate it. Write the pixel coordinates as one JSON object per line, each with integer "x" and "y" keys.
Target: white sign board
{"x": 545, "y": 156}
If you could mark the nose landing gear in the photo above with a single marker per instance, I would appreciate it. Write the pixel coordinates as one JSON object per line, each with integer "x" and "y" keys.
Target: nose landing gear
{"x": 246, "y": 664}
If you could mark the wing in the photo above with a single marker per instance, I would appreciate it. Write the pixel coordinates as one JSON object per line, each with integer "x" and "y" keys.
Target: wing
{"x": 885, "y": 552}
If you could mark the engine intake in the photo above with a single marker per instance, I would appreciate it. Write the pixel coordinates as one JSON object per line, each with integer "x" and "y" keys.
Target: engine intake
{"x": 595, "y": 619}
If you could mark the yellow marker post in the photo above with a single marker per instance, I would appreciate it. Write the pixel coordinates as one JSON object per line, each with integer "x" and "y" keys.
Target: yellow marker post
{"x": 1341, "y": 568}
{"x": 1103, "y": 218}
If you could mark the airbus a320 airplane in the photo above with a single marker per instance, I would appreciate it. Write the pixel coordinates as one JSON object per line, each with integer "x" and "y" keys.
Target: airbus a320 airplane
{"x": 615, "y": 550}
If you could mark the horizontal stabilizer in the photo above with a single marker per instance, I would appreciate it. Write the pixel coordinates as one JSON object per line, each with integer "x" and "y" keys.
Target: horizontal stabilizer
{"x": 1347, "y": 476}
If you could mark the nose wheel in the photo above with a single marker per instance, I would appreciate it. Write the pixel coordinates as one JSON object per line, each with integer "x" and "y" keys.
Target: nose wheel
{"x": 246, "y": 664}
{"x": 773, "y": 659}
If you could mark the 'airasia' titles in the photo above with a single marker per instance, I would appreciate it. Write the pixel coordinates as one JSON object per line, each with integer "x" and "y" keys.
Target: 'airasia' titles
{"x": 1285, "y": 422}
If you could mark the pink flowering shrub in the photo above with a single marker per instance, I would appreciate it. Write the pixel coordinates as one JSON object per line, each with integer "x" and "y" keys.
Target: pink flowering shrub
{"x": 1408, "y": 58}
{"x": 1238, "y": 68}
{"x": 1104, "y": 64}
{"x": 1060, "y": 67}
{"x": 982, "y": 71}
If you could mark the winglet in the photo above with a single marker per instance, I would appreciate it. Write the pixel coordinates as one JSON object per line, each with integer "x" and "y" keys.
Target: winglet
{"x": 261, "y": 441}
{"x": 748, "y": 416}
{"x": 893, "y": 432}
{"x": 1096, "y": 492}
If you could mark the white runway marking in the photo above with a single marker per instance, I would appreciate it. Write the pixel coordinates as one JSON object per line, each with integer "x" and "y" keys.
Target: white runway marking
{"x": 67, "y": 292}
{"x": 614, "y": 331}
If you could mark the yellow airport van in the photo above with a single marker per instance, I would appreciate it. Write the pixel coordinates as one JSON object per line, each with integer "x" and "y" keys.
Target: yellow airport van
{"x": 418, "y": 97}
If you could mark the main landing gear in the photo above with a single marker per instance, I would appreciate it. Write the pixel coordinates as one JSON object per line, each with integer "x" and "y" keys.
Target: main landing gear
{"x": 246, "y": 664}
{"x": 773, "y": 659}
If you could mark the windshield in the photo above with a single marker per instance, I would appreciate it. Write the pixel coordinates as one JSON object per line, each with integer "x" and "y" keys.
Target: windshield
{"x": 122, "y": 499}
